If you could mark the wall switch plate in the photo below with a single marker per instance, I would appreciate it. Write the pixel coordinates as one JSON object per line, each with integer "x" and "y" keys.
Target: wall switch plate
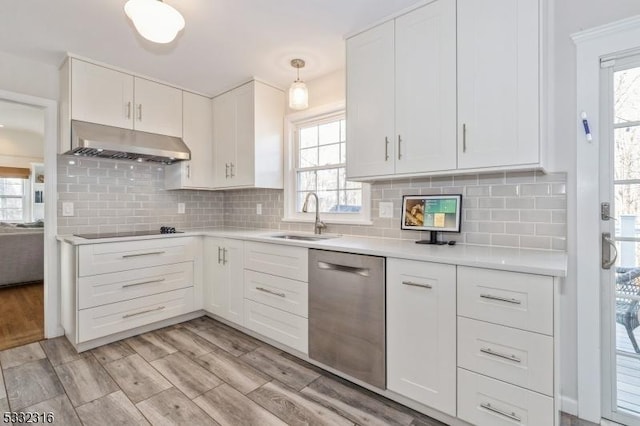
{"x": 67, "y": 208}
{"x": 386, "y": 209}
{"x": 258, "y": 208}
{"x": 180, "y": 208}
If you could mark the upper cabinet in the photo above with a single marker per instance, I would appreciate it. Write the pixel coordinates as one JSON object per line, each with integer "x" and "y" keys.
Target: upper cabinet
{"x": 102, "y": 95}
{"x": 248, "y": 137}
{"x": 401, "y": 92}
{"x": 428, "y": 96}
{"x": 498, "y": 83}
{"x": 197, "y": 124}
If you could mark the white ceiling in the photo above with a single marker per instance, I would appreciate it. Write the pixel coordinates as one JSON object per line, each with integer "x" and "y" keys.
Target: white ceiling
{"x": 225, "y": 42}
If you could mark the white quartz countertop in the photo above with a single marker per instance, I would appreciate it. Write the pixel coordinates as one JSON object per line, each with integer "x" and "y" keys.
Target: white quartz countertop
{"x": 542, "y": 262}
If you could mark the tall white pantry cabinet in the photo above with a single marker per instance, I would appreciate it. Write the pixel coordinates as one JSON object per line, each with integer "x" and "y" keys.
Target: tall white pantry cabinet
{"x": 450, "y": 86}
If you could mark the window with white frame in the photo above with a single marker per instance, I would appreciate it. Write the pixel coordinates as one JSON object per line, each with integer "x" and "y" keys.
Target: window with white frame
{"x": 318, "y": 164}
{"x": 12, "y": 199}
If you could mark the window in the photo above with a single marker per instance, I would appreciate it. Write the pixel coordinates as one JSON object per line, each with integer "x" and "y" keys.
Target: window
{"x": 12, "y": 193}
{"x": 317, "y": 151}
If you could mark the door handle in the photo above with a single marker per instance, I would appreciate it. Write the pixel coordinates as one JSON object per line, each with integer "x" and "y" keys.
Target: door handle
{"x": 506, "y": 414}
{"x": 464, "y": 137}
{"x": 139, "y": 112}
{"x": 129, "y": 109}
{"x": 399, "y": 147}
{"x": 226, "y": 170}
{"x": 231, "y": 168}
{"x": 386, "y": 148}
{"x": 607, "y": 244}
{"x": 126, "y": 256}
{"x": 344, "y": 268}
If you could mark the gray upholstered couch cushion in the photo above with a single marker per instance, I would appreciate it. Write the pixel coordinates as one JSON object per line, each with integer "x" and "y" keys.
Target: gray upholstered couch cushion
{"x": 21, "y": 257}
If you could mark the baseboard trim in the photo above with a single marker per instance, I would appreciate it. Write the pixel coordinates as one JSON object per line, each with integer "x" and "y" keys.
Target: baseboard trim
{"x": 569, "y": 405}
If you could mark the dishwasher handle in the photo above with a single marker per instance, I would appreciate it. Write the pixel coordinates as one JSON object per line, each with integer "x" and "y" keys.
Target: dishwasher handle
{"x": 344, "y": 268}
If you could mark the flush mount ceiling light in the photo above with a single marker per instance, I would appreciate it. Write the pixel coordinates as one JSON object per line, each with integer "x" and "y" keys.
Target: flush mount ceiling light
{"x": 298, "y": 93}
{"x": 156, "y": 21}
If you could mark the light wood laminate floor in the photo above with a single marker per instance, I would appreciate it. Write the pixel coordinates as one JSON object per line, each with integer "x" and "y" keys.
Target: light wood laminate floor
{"x": 21, "y": 315}
{"x": 200, "y": 372}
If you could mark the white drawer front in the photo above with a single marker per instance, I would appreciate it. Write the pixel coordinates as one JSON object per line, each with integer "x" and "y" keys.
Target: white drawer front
{"x": 283, "y": 261}
{"x": 283, "y": 327}
{"x": 109, "y": 319}
{"x": 514, "y": 356}
{"x": 96, "y": 290}
{"x": 513, "y": 299}
{"x": 114, "y": 257}
{"x": 282, "y": 293}
{"x": 488, "y": 402}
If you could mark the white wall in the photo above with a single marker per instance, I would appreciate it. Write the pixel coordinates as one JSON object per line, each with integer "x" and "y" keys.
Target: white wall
{"x": 28, "y": 77}
{"x": 568, "y": 17}
{"x": 20, "y": 148}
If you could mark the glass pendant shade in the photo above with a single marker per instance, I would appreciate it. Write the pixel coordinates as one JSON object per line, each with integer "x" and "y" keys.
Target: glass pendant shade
{"x": 156, "y": 21}
{"x": 298, "y": 95}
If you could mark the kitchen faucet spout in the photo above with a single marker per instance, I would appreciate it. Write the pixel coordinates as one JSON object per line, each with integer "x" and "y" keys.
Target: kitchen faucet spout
{"x": 319, "y": 225}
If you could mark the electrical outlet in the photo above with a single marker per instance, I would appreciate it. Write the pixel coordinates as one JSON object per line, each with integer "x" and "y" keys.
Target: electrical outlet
{"x": 67, "y": 208}
{"x": 180, "y": 208}
{"x": 258, "y": 208}
{"x": 386, "y": 209}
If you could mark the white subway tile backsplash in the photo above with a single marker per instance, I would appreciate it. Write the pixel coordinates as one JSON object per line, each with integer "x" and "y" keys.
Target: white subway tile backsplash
{"x": 519, "y": 209}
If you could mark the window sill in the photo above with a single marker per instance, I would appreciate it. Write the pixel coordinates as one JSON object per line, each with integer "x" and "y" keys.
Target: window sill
{"x": 329, "y": 221}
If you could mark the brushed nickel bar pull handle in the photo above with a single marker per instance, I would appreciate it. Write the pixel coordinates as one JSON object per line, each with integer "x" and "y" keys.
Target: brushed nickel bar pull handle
{"x": 224, "y": 256}
{"x": 464, "y": 137}
{"x": 232, "y": 167}
{"x": 275, "y": 293}
{"x": 129, "y": 109}
{"x": 159, "y": 308}
{"x": 188, "y": 171}
{"x": 414, "y": 284}
{"x": 125, "y": 256}
{"x": 488, "y": 351}
{"x": 219, "y": 256}
{"x": 386, "y": 148}
{"x": 226, "y": 170}
{"x": 607, "y": 245}
{"x": 144, "y": 282}
{"x": 501, "y": 299}
{"x": 344, "y": 268}
{"x": 139, "y": 112}
{"x": 511, "y": 415}
{"x": 399, "y": 147}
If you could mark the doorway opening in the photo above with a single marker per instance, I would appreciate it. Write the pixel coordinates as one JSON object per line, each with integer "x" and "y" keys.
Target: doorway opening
{"x": 22, "y": 220}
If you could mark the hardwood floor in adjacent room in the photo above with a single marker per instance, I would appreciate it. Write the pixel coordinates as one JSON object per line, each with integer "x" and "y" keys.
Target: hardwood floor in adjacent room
{"x": 21, "y": 315}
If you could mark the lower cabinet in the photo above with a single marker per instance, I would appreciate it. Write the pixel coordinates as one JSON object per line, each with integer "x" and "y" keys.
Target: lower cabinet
{"x": 223, "y": 278}
{"x": 421, "y": 332}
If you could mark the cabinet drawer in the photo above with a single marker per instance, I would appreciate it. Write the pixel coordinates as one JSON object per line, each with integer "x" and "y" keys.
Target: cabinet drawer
{"x": 284, "y": 261}
{"x": 102, "y": 289}
{"x": 114, "y": 257}
{"x": 488, "y": 402}
{"x": 513, "y": 299}
{"x": 283, "y": 327}
{"x": 109, "y": 319}
{"x": 282, "y": 293}
{"x": 514, "y": 356}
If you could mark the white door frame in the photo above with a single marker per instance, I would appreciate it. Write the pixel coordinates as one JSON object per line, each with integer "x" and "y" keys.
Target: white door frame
{"x": 52, "y": 326}
{"x": 591, "y": 45}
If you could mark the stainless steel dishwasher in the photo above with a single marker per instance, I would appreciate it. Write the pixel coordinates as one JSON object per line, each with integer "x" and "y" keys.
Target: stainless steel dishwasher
{"x": 347, "y": 314}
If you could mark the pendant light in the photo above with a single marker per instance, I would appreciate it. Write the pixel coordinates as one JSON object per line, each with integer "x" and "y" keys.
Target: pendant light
{"x": 298, "y": 93}
{"x": 156, "y": 21}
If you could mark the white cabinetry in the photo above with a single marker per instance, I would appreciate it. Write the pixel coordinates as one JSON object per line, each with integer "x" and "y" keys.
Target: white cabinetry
{"x": 408, "y": 113}
{"x": 421, "y": 309}
{"x": 223, "y": 270}
{"x": 102, "y": 95}
{"x": 111, "y": 289}
{"x": 197, "y": 134}
{"x": 247, "y": 137}
{"x": 507, "y": 346}
{"x": 401, "y": 92}
{"x": 276, "y": 292}
{"x": 498, "y": 83}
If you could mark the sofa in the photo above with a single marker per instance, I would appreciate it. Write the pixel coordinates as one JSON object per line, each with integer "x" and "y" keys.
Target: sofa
{"x": 21, "y": 256}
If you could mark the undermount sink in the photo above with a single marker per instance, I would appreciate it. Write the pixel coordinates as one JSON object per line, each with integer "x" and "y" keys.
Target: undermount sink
{"x": 303, "y": 237}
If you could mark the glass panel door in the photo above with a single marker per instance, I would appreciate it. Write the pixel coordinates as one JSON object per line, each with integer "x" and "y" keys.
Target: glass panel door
{"x": 620, "y": 191}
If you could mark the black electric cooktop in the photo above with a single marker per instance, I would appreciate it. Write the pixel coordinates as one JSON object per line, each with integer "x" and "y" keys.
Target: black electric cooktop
{"x": 128, "y": 234}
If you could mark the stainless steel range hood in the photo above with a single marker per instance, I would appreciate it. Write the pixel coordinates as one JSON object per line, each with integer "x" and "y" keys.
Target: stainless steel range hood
{"x": 97, "y": 140}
